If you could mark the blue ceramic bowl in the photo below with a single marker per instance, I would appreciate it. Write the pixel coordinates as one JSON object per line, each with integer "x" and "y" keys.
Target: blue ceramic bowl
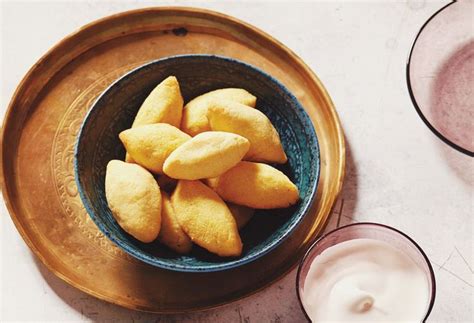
{"x": 114, "y": 111}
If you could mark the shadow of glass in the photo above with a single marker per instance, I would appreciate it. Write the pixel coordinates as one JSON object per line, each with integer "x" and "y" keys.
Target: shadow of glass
{"x": 452, "y": 109}
{"x": 343, "y": 211}
{"x": 460, "y": 164}
{"x": 451, "y": 95}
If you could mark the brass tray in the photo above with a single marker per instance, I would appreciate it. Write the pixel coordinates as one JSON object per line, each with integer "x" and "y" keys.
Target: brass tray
{"x": 39, "y": 133}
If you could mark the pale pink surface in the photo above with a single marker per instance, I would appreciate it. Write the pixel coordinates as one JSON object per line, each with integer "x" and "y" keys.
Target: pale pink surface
{"x": 397, "y": 172}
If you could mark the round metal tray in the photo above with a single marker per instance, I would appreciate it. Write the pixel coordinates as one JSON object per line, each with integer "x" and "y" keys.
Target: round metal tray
{"x": 39, "y": 133}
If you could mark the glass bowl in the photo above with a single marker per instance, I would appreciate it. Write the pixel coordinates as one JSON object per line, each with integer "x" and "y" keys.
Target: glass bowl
{"x": 440, "y": 74}
{"x": 367, "y": 230}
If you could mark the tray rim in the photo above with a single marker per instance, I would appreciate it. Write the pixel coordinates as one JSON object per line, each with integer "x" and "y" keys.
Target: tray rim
{"x": 179, "y": 9}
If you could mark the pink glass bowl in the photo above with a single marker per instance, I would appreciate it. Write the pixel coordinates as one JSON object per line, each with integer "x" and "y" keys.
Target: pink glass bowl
{"x": 440, "y": 74}
{"x": 366, "y": 230}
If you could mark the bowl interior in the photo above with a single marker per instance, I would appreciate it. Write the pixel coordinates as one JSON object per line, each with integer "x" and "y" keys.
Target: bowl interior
{"x": 114, "y": 112}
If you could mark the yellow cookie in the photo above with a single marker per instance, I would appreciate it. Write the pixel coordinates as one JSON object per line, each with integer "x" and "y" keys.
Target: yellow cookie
{"x": 265, "y": 145}
{"x": 128, "y": 158}
{"x": 163, "y": 105}
{"x": 211, "y": 182}
{"x": 195, "y": 112}
{"x": 150, "y": 145}
{"x": 134, "y": 198}
{"x": 171, "y": 233}
{"x": 206, "y": 219}
{"x": 242, "y": 214}
{"x": 209, "y": 154}
{"x": 256, "y": 185}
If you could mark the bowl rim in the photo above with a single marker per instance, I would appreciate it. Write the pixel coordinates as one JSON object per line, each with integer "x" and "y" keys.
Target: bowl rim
{"x": 411, "y": 92}
{"x": 235, "y": 262}
{"x": 367, "y": 224}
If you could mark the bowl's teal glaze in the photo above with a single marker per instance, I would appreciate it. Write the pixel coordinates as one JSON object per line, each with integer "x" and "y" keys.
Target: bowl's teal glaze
{"x": 114, "y": 111}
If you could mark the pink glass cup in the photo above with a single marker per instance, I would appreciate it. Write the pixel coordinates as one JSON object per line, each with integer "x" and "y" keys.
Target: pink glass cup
{"x": 366, "y": 230}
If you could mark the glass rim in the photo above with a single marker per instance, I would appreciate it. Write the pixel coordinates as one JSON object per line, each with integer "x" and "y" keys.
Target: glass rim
{"x": 412, "y": 94}
{"x": 368, "y": 224}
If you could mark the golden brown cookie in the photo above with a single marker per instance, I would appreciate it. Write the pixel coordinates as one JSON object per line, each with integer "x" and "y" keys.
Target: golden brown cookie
{"x": 163, "y": 105}
{"x": 195, "y": 112}
{"x": 206, "y": 219}
{"x": 265, "y": 145}
{"x": 171, "y": 233}
{"x": 134, "y": 198}
{"x": 256, "y": 185}
{"x": 208, "y": 154}
{"x": 150, "y": 145}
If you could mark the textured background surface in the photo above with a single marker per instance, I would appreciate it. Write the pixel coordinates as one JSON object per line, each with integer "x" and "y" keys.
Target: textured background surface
{"x": 398, "y": 172}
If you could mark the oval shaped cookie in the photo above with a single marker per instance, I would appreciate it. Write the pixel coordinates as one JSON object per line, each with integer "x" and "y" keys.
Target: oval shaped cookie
{"x": 209, "y": 154}
{"x": 265, "y": 144}
{"x": 206, "y": 219}
{"x": 150, "y": 145}
{"x": 163, "y": 105}
{"x": 195, "y": 111}
{"x": 134, "y": 198}
{"x": 171, "y": 233}
{"x": 256, "y": 185}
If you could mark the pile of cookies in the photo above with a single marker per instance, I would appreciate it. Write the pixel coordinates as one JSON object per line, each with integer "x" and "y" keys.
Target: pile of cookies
{"x": 196, "y": 174}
